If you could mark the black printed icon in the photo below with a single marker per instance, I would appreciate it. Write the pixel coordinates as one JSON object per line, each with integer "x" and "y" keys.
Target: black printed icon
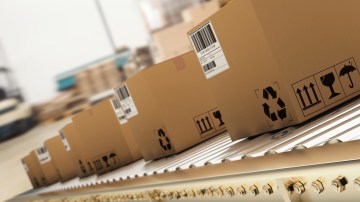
{"x": 269, "y": 94}
{"x": 82, "y": 167}
{"x": 164, "y": 140}
{"x": 90, "y": 167}
{"x": 113, "y": 157}
{"x": 346, "y": 70}
{"x": 328, "y": 81}
{"x": 217, "y": 115}
{"x": 204, "y": 125}
{"x": 105, "y": 159}
{"x": 98, "y": 165}
{"x": 308, "y": 96}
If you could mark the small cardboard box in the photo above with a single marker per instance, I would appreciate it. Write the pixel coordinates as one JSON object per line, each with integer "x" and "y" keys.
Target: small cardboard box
{"x": 169, "y": 107}
{"x": 61, "y": 158}
{"x": 44, "y": 162}
{"x": 34, "y": 175}
{"x": 78, "y": 150}
{"x": 281, "y": 62}
{"x": 105, "y": 141}
{"x": 172, "y": 41}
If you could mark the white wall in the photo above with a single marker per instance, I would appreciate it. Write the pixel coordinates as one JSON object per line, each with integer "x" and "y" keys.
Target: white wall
{"x": 44, "y": 38}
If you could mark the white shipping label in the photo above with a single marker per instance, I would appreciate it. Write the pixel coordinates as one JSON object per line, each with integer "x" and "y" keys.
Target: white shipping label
{"x": 208, "y": 50}
{"x": 65, "y": 142}
{"x": 126, "y": 102}
{"x": 25, "y": 166}
{"x": 119, "y": 111}
{"x": 43, "y": 155}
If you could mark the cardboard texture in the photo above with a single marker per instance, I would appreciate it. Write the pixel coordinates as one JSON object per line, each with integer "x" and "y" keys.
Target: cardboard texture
{"x": 280, "y": 62}
{"x": 105, "y": 143}
{"x": 61, "y": 158}
{"x": 169, "y": 107}
{"x": 33, "y": 174}
{"x": 78, "y": 150}
{"x": 171, "y": 41}
{"x": 41, "y": 161}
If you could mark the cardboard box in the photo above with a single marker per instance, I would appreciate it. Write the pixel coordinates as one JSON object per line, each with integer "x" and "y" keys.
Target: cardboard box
{"x": 169, "y": 107}
{"x": 105, "y": 141}
{"x": 35, "y": 176}
{"x": 43, "y": 161}
{"x": 73, "y": 143}
{"x": 199, "y": 12}
{"x": 281, "y": 63}
{"x": 171, "y": 41}
{"x": 61, "y": 158}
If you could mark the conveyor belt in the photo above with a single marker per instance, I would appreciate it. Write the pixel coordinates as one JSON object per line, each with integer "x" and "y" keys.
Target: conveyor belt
{"x": 341, "y": 125}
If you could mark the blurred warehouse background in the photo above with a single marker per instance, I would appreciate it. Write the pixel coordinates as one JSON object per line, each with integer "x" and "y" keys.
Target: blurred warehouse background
{"x": 61, "y": 56}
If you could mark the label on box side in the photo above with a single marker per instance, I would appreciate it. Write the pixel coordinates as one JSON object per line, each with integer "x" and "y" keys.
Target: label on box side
{"x": 126, "y": 101}
{"x": 119, "y": 111}
{"x": 43, "y": 155}
{"x": 65, "y": 142}
{"x": 26, "y": 168}
{"x": 208, "y": 50}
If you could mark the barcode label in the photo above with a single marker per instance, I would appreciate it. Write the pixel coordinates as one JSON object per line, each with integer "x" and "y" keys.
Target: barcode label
{"x": 209, "y": 66}
{"x": 26, "y": 168}
{"x": 65, "y": 142}
{"x": 203, "y": 38}
{"x": 118, "y": 110}
{"x": 126, "y": 101}
{"x": 209, "y": 50}
{"x": 43, "y": 155}
{"x": 123, "y": 93}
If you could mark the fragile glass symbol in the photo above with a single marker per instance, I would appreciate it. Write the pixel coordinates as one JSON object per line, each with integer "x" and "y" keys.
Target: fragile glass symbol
{"x": 328, "y": 81}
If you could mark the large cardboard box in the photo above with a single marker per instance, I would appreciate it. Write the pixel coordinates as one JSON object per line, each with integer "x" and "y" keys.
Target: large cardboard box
{"x": 105, "y": 141}
{"x": 34, "y": 175}
{"x": 73, "y": 143}
{"x": 44, "y": 162}
{"x": 280, "y": 62}
{"x": 61, "y": 158}
{"x": 171, "y": 41}
{"x": 169, "y": 107}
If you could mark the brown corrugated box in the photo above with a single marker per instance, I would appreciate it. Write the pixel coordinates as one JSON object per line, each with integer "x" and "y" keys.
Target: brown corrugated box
{"x": 78, "y": 150}
{"x": 61, "y": 158}
{"x": 105, "y": 142}
{"x": 42, "y": 160}
{"x": 169, "y": 107}
{"x": 34, "y": 175}
{"x": 279, "y": 62}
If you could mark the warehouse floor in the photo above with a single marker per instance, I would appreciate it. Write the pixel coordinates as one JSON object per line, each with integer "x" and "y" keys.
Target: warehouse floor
{"x": 13, "y": 179}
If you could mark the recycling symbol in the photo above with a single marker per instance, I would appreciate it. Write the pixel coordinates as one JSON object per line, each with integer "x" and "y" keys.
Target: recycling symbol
{"x": 270, "y": 95}
{"x": 164, "y": 140}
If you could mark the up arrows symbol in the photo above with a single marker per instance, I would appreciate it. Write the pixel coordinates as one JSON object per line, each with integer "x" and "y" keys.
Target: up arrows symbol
{"x": 308, "y": 94}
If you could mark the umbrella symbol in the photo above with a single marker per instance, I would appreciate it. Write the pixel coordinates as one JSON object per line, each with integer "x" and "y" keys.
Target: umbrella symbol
{"x": 346, "y": 70}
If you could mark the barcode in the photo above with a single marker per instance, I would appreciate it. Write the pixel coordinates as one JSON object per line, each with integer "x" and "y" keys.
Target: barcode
{"x": 209, "y": 66}
{"x": 123, "y": 93}
{"x": 203, "y": 38}
{"x": 127, "y": 111}
{"x": 116, "y": 103}
{"x": 41, "y": 150}
{"x": 62, "y": 135}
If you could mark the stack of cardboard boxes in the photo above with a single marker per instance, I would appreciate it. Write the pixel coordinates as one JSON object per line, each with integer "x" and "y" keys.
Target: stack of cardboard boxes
{"x": 247, "y": 75}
